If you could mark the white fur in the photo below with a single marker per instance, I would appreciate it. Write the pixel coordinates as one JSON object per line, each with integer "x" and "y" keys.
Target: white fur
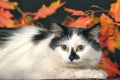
{"x": 21, "y": 59}
{"x": 88, "y": 57}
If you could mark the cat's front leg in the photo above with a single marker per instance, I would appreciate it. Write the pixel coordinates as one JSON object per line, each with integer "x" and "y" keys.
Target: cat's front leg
{"x": 91, "y": 73}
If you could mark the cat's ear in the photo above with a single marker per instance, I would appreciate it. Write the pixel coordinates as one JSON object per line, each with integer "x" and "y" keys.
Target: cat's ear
{"x": 93, "y": 33}
{"x": 57, "y": 27}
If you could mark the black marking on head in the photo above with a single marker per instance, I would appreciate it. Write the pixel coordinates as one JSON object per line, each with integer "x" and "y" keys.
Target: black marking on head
{"x": 78, "y": 31}
{"x": 5, "y": 33}
{"x": 67, "y": 32}
{"x": 95, "y": 45}
{"x": 41, "y": 36}
{"x": 65, "y": 35}
{"x": 56, "y": 41}
{"x": 73, "y": 55}
{"x": 92, "y": 33}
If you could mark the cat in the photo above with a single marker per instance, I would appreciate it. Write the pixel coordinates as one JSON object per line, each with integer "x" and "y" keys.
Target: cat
{"x": 61, "y": 52}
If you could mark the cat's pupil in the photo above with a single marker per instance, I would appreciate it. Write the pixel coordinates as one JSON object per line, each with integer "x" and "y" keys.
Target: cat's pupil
{"x": 64, "y": 47}
{"x": 80, "y": 48}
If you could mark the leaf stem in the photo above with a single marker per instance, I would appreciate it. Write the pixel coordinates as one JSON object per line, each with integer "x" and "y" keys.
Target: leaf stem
{"x": 96, "y": 6}
{"x": 19, "y": 10}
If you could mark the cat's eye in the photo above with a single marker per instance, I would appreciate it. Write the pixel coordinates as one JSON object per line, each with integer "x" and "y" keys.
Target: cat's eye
{"x": 64, "y": 47}
{"x": 80, "y": 48}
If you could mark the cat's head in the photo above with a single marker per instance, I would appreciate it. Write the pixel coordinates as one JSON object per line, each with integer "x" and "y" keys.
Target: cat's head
{"x": 76, "y": 47}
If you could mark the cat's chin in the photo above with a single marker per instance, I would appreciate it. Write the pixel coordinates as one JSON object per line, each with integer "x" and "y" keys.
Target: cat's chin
{"x": 75, "y": 65}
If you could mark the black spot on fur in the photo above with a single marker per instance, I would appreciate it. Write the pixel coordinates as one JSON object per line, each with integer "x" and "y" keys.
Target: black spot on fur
{"x": 65, "y": 35}
{"x": 41, "y": 36}
{"x": 56, "y": 41}
{"x": 95, "y": 45}
{"x": 5, "y": 33}
{"x": 88, "y": 34}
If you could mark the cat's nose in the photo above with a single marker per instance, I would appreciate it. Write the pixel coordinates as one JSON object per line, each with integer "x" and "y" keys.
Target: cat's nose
{"x": 74, "y": 57}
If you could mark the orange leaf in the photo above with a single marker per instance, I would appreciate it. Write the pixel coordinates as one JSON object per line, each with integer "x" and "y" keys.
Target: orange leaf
{"x": 86, "y": 19}
{"x": 110, "y": 67}
{"x": 117, "y": 38}
{"x": 84, "y": 22}
{"x": 5, "y": 18}
{"x": 107, "y": 26}
{"x": 81, "y": 22}
{"x": 68, "y": 20}
{"x": 75, "y": 12}
{"x": 8, "y": 5}
{"x": 45, "y": 11}
{"x": 111, "y": 42}
{"x": 24, "y": 20}
{"x": 5, "y": 0}
{"x": 115, "y": 10}
{"x": 109, "y": 34}
{"x": 106, "y": 31}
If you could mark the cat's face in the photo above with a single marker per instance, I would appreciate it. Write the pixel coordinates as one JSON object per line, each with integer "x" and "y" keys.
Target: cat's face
{"x": 74, "y": 48}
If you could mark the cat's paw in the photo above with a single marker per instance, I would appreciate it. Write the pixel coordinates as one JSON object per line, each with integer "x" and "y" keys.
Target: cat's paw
{"x": 100, "y": 74}
{"x": 91, "y": 74}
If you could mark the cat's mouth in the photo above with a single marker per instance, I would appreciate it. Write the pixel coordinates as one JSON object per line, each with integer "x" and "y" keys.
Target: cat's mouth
{"x": 76, "y": 64}
{"x": 73, "y": 64}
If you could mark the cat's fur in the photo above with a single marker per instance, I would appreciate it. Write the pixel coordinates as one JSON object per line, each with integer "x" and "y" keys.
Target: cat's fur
{"x": 35, "y": 53}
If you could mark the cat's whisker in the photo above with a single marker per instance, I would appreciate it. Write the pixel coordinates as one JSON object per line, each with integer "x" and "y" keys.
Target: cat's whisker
{"x": 89, "y": 59}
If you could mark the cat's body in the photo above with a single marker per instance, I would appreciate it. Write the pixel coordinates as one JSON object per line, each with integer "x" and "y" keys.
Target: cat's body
{"x": 35, "y": 53}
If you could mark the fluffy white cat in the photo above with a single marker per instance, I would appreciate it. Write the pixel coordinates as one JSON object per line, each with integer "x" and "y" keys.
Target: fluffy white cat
{"x": 60, "y": 53}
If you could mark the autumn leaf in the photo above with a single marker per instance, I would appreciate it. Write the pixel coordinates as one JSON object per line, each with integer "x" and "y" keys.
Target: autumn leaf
{"x": 85, "y": 20}
{"x": 111, "y": 42}
{"x": 5, "y": 0}
{"x": 75, "y": 12}
{"x": 107, "y": 26}
{"x": 45, "y": 11}
{"x": 107, "y": 33}
{"x": 107, "y": 65}
{"x": 5, "y": 15}
{"x": 5, "y": 19}
{"x": 8, "y": 5}
{"x": 117, "y": 38}
{"x": 115, "y": 10}
{"x": 68, "y": 20}
{"x": 24, "y": 20}
{"x": 81, "y": 22}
